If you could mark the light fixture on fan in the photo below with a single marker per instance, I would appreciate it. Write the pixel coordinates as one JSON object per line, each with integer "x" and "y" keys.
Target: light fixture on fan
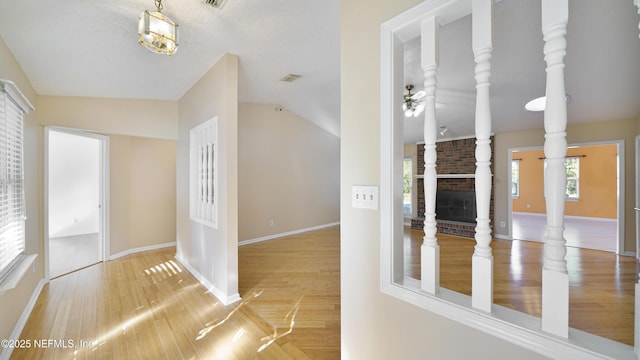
{"x": 157, "y": 32}
{"x": 539, "y": 104}
{"x": 413, "y": 104}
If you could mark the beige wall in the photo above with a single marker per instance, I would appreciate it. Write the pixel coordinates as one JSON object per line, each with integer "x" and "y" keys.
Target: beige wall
{"x": 285, "y": 160}
{"x": 140, "y": 150}
{"x": 142, "y": 187}
{"x": 13, "y": 301}
{"x": 576, "y": 134}
{"x": 374, "y": 325}
{"x": 213, "y": 253}
{"x": 145, "y": 118}
{"x": 142, "y": 166}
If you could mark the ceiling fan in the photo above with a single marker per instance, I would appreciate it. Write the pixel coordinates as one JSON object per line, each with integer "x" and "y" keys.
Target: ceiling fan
{"x": 413, "y": 104}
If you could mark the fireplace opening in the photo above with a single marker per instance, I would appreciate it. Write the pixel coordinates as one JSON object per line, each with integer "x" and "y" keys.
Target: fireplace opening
{"x": 456, "y": 206}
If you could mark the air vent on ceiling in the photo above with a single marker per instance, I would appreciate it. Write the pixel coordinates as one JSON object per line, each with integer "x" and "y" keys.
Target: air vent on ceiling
{"x": 290, "y": 78}
{"x": 218, "y": 4}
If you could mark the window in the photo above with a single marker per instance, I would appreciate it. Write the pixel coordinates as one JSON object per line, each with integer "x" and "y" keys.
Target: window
{"x": 203, "y": 165}
{"x": 515, "y": 178}
{"x": 573, "y": 178}
{"x": 512, "y": 326}
{"x": 12, "y": 200}
{"x": 408, "y": 184}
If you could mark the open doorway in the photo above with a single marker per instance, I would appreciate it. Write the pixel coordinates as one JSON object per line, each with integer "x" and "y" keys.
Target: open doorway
{"x": 76, "y": 211}
{"x": 592, "y": 199}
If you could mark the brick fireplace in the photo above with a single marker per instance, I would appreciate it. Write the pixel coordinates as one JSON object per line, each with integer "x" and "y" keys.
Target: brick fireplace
{"x": 456, "y": 169}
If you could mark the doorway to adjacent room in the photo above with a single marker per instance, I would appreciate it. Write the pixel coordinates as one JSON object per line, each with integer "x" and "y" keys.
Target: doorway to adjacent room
{"x": 76, "y": 207}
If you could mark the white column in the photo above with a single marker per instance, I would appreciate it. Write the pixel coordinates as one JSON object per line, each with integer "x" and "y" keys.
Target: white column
{"x": 555, "y": 280}
{"x": 430, "y": 251}
{"x": 482, "y": 261}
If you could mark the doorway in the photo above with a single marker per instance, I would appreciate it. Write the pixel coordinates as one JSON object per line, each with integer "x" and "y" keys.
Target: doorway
{"x": 76, "y": 211}
{"x": 593, "y": 200}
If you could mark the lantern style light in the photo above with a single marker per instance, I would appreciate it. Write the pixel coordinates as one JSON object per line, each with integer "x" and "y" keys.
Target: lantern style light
{"x": 157, "y": 32}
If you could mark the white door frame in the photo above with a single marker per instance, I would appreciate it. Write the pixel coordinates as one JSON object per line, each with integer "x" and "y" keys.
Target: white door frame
{"x": 104, "y": 240}
{"x": 621, "y": 189}
{"x": 637, "y": 204}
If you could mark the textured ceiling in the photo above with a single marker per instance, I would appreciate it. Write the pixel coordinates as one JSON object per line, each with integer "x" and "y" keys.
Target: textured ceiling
{"x": 83, "y": 48}
{"x": 602, "y": 70}
{"x": 88, "y": 48}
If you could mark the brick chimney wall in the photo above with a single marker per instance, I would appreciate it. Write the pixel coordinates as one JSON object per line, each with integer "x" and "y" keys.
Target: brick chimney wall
{"x": 454, "y": 157}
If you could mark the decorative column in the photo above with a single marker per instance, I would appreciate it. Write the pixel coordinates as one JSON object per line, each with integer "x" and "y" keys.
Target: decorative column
{"x": 430, "y": 251}
{"x": 555, "y": 280}
{"x": 482, "y": 261}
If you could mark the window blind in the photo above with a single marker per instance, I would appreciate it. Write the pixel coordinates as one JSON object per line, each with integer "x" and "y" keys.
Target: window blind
{"x": 12, "y": 197}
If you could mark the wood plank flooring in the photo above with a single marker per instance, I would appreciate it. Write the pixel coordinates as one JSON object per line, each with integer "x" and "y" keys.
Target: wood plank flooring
{"x": 70, "y": 253}
{"x": 601, "y": 284}
{"x": 589, "y": 233}
{"x": 298, "y": 282}
{"x": 147, "y": 306}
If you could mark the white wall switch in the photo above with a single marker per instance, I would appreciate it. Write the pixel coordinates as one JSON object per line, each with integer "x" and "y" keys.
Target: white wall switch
{"x": 364, "y": 197}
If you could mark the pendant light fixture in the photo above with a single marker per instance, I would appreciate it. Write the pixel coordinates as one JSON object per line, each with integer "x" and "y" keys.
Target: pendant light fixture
{"x": 157, "y": 32}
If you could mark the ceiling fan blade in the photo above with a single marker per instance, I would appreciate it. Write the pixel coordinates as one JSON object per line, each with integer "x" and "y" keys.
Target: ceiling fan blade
{"x": 419, "y": 95}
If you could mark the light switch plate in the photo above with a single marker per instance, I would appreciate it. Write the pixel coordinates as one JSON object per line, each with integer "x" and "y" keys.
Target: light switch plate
{"x": 364, "y": 197}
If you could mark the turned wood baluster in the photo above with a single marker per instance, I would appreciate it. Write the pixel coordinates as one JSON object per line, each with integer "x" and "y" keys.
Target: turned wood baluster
{"x": 555, "y": 280}
{"x": 482, "y": 261}
{"x": 430, "y": 251}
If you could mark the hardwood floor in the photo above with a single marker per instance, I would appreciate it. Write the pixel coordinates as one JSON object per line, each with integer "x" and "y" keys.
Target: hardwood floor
{"x": 601, "y": 284}
{"x": 147, "y": 306}
{"x": 70, "y": 253}
{"x": 297, "y": 278}
{"x": 588, "y": 233}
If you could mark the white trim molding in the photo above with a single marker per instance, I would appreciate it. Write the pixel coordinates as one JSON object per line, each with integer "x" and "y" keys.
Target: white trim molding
{"x": 14, "y": 92}
{"x": 5, "y": 354}
{"x": 220, "y": 295}
{"x": 141, "y": 249}
{"x": 515, "y": 327}
{"x": 288, "y": 233}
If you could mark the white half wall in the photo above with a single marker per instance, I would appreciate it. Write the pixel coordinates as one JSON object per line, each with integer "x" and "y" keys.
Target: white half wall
{"x": 211, "y": 253}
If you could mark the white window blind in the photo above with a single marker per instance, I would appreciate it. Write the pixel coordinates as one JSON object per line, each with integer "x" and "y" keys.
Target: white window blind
{"x": 12, "y": 198}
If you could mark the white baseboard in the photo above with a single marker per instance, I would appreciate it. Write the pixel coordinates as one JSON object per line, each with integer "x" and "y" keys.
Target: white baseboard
{"x": 501, "y": 236}
{"x": 222, "y": 297}
{"x": 22, "y": 321}
{"x": 288, "y": 233}
{"x": 141, "y": 249}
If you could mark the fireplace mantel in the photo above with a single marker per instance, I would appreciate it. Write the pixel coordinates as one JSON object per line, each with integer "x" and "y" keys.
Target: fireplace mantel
{"x": 451, "y": 176}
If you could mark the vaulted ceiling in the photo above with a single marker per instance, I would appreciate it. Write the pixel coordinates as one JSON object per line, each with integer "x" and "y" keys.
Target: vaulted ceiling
{"x": 82, "y": 48}
{"x": 89, "y": 48}
{"x": 602, "y": 70}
